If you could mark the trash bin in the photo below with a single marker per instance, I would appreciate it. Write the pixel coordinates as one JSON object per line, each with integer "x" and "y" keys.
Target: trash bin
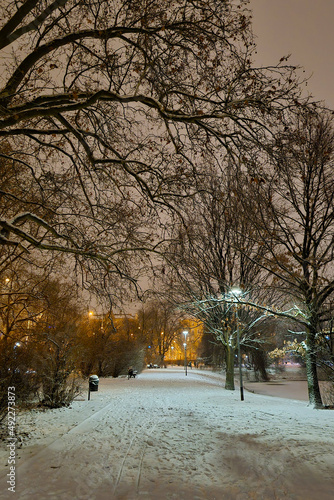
{"x": 93, "y": 383}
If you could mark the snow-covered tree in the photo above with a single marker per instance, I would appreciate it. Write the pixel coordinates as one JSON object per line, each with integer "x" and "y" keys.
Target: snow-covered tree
{"x": 289, "y": 200}
{"x": 209, "y": 254}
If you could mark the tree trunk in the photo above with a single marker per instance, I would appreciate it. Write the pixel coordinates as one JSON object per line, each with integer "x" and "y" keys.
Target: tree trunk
{"x": 229, "y": 382}
{"x": 312, "y": 375}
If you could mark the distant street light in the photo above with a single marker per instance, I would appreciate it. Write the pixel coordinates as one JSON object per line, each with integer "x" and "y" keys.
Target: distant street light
{"x": 235, "y": 292}
{"x": 185, "y": 333}
{"x": 93, "y": 315}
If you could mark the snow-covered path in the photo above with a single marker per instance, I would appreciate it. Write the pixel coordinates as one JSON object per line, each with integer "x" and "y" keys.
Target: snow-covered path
{"x": 167, "y": 436}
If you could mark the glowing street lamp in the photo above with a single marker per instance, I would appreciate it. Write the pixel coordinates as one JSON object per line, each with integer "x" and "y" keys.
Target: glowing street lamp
{"x": 185, "y": 356}
{"x": 92, "y": 315}
{"x": 235, "y": 292}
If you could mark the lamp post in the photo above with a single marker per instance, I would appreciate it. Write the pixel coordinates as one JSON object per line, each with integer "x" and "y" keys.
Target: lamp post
{"x": 235, "y": 292}
{"x": 185, "y": 333}
{"x": 185, "y": 357}
{"x": 93, "y": 315}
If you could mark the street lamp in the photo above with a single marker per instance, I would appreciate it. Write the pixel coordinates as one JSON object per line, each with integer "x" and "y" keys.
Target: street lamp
{"x": 185, "y": 333}
{"x": 185, "y": 356}
{"x": 93, "y": 315}
{"x": 235, "y": 292}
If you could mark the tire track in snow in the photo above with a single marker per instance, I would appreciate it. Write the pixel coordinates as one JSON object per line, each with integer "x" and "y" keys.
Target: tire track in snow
{"x": 129, "y": 449}
{"x": 142, "y": 460}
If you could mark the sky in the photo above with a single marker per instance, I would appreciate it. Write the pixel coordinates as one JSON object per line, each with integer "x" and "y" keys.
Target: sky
{"x": 304, "y": 29}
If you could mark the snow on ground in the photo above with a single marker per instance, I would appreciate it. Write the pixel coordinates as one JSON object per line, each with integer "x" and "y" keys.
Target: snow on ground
{"x": 167, "y": 436}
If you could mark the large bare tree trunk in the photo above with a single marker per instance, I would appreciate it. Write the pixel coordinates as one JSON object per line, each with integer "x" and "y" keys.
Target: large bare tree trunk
{"x": 229, "y": 382}
{"x": 312, "y": 375}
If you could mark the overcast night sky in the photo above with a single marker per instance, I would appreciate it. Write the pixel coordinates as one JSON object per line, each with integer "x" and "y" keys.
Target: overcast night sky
{"x": 304, "y": 29}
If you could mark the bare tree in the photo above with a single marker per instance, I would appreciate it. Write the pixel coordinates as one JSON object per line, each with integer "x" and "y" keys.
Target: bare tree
{"x": 107, "y": 105}
{"x": 159, "y": 325}
{"x": 206, "y": 263}
{"x": 109, "y": 345}
{"x": 22, "y": 298}
{"x": 37, "y": 332}
{"x": 289, "y": 199}
{"x": 53, "y": 343}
